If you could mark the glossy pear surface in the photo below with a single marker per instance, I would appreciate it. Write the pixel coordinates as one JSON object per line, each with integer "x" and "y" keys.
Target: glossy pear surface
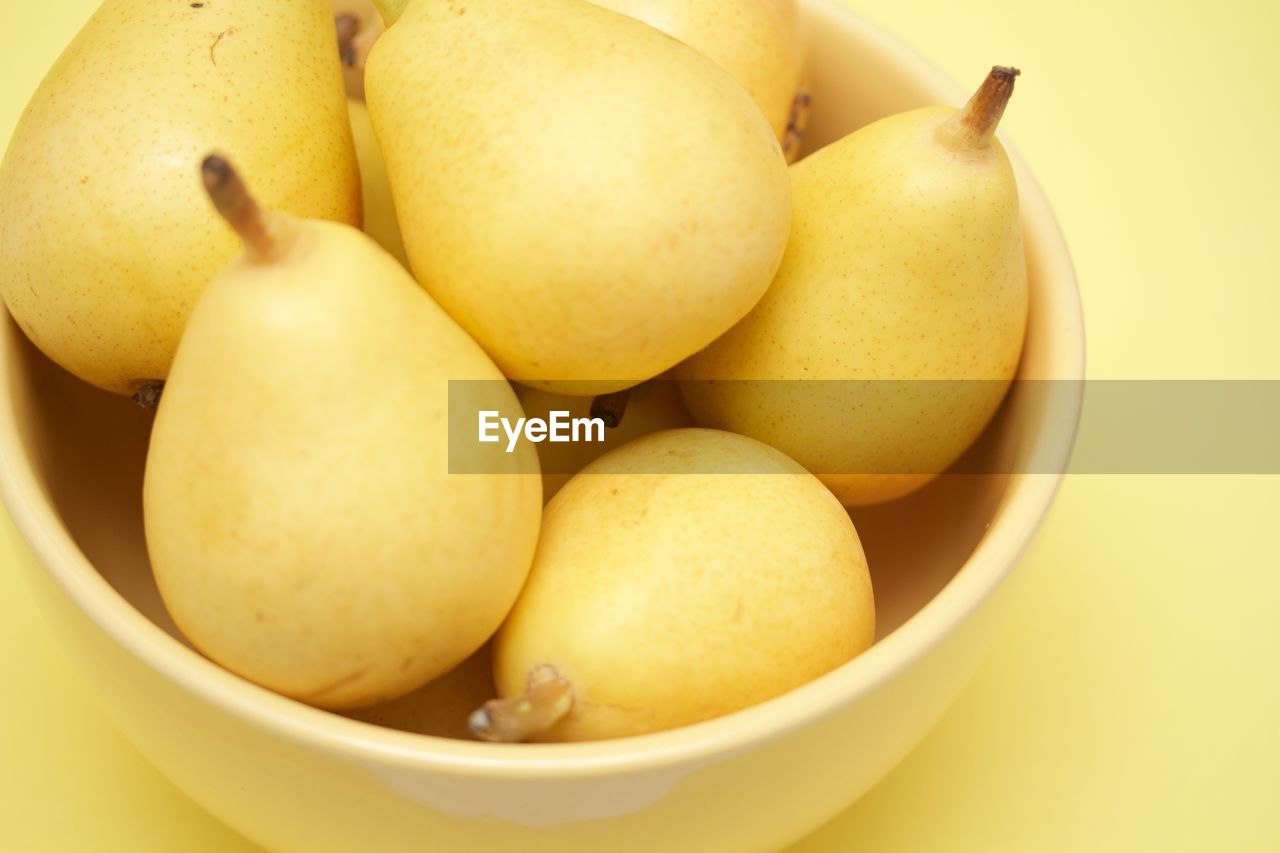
{"x": 106, "y": 239}
{"x": 301, "y": 519}
{"x": 760, "y": 42}
{"x": 683, "y": 576}
{"x": 591, "y": 199}
{"x": 896, "y": 321}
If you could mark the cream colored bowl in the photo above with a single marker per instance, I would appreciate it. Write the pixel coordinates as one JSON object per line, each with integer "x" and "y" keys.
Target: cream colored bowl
{"x": 296, "y": 778}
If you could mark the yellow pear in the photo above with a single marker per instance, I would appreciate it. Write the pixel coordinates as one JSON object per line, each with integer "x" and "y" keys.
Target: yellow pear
{"x": 380, "y": 221}
{"x": 650, "y": 407}
{"x": 895, "y": 325}
{"x": 301, "y": 519}
{"x": 107, "y": 241}
{"x": 591, "y": 199}
{"x": 682, "y": 576}
{"x": 762, "y": 43}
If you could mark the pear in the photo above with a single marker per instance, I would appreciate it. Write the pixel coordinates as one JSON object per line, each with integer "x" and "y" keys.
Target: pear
{"x": 302, "y": 523}
{"x": 895, "y": 324}
{"x": 680, "y": 577}
{"x": 380, "y": 220}
{"x": 649, "y": 407}
{"x": 591, "y": 199}
{"x": 762, "y": 43}
{"x": 106, "y": 240}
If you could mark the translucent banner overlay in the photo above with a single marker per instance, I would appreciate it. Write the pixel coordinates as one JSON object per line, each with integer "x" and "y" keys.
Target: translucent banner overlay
{"x": 876, "y": 427}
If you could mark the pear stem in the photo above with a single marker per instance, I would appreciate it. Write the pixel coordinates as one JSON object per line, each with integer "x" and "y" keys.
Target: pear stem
{"x": 347, "y": 27}
{"x": 611, "y": 407}
{"x": 974, "y": 126}
{"x": 391, "y": 9}
{"x": 238, "y": 208}
{"x": 797, "y": 124}
{"x": 546, "y": 699}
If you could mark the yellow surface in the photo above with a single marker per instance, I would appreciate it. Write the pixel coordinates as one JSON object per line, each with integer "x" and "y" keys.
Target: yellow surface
{"x": 1131, "y": 703}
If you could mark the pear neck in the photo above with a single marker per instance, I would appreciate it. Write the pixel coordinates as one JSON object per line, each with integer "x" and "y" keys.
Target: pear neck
{"x": 279, "y": 234}
{"x": 391, "y": 10}
{"x": 974, "y": 125}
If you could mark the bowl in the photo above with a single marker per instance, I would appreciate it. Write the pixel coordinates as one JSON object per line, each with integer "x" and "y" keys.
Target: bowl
{"x": 292, "y": 777}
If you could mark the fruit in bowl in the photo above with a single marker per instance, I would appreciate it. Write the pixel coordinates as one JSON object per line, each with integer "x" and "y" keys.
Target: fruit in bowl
{"x": 899, "y": 310}
{"x": 592, "y": 207}
{"x": 107, "y": 242}
{"x": 716, "y": 573}
{"x": 312, "y": 540}
{"x": 293, "y": 776}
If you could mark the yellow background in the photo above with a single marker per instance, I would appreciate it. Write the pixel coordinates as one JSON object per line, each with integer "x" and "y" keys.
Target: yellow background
{"x": 1133, "y": 699}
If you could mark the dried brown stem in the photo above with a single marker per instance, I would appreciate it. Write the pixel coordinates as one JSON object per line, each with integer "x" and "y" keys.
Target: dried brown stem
{"x": 347, "y": 26}
{"x": 974, "y": 126}
{"x": 611, "y": 407}
{"x": 234, "y": 204}
{"x": 546, "y": 699}
{"x": 797, "y": 124}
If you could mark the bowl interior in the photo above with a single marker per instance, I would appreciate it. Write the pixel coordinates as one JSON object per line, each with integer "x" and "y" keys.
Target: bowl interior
{"x": 86, "y": 448}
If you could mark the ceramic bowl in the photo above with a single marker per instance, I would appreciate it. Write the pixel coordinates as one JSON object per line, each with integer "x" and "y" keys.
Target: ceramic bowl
{"x": 293, "y": 777}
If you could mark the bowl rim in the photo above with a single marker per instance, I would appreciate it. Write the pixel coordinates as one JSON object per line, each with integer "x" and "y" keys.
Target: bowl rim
{"x": 1027, "y": 500}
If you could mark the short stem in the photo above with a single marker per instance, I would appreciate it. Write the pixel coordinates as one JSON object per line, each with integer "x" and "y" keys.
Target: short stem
{"x": 546, "y": 699}
{"x": 234, "y": 204}
{"x": 797, "y": 124}
{"x": 347, "y": 27}
{"x": 974, "y": 126}
{"x": 611, "y": 407}
{"x": 391, "y": 9}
